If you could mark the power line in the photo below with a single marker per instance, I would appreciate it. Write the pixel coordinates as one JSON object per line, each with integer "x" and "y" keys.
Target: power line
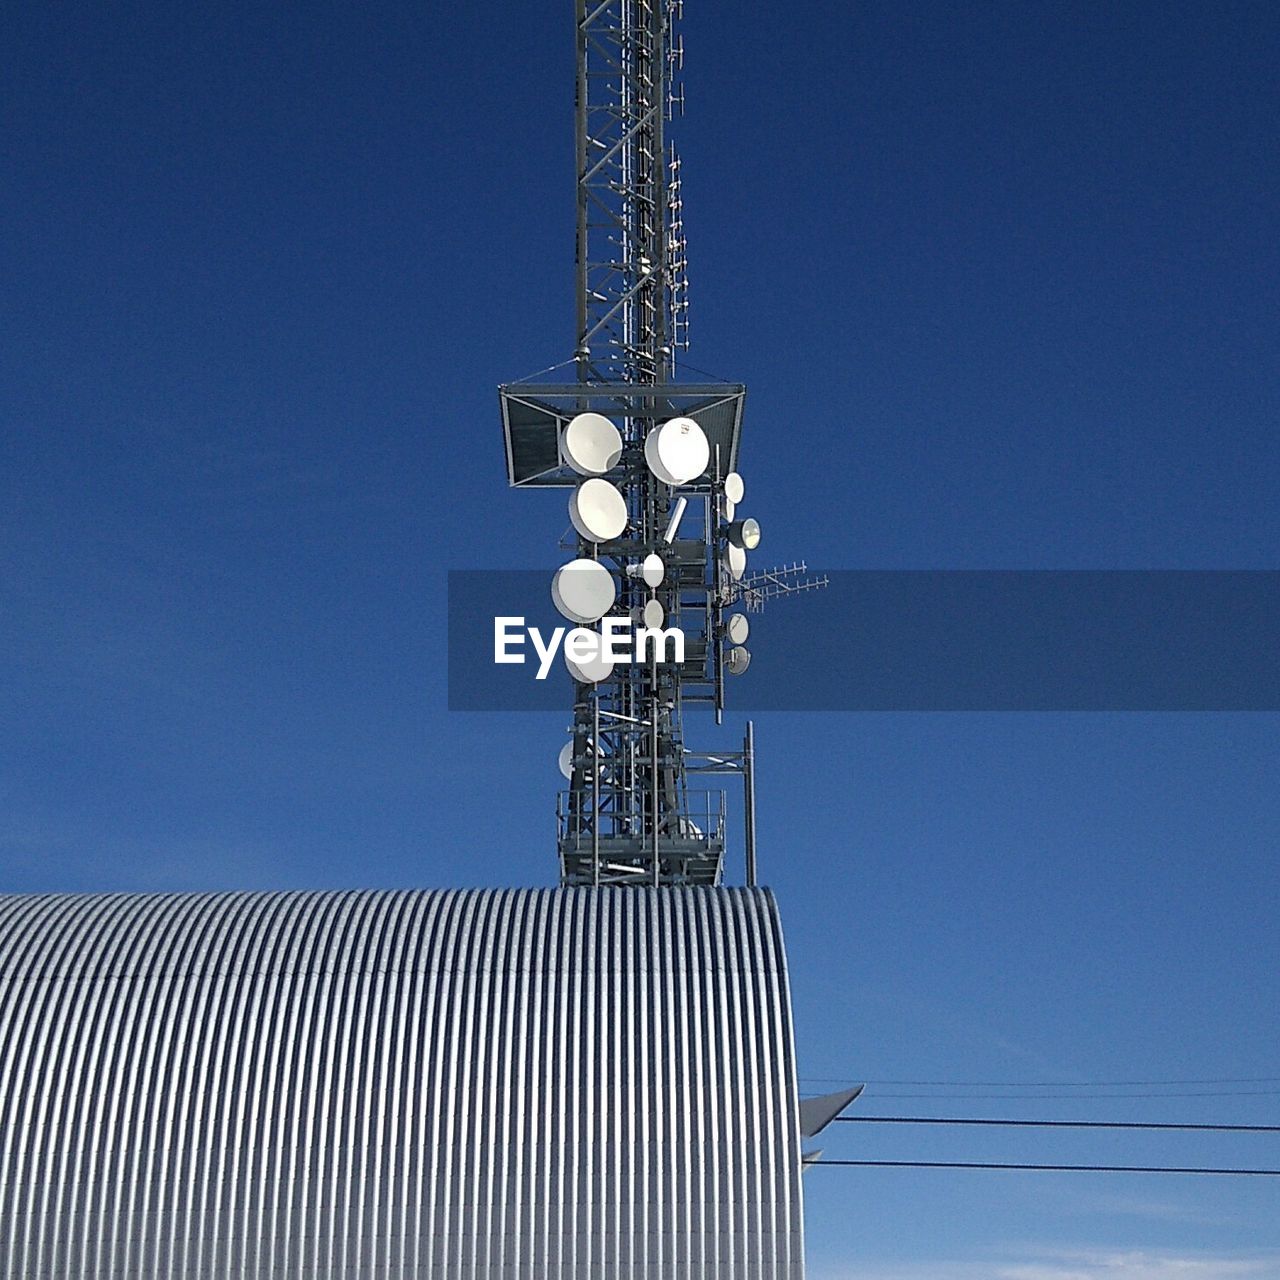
{"x": 1049, "y": 1084}
{"x": 1050, "y": 1168}
{"x": 1061, "y": 1124}
{"x": 1071, "y": 1097}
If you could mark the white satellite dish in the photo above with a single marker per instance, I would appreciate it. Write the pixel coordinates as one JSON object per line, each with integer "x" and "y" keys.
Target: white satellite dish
{"x": 598, "y": 510}
{"x": 591, "y": 444}
{"x": 677, "y": 451}
{"x": 566, "y": 758}
{"x": 592, "y": 670}
{"x": 652, "y": 615}
{"x": 737, "y": 559}
{"x": 744, "y": 533}
{"x": 583, "y": 590}
{"x": 737, "y": 628}
{"x": 727, "y": 508}
{"x": 651, "y": 569}
{"x": 737, "y": 661}
{"x": 651, "y": 455}
{"x": 733, "y": 487}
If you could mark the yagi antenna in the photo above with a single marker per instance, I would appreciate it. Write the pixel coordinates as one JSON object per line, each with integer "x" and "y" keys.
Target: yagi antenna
{"x": 772, "y": 584}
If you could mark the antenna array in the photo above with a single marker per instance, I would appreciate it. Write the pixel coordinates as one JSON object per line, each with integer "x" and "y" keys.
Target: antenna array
{"x": 632, "y": 287}
{"x": 757, "y": 589}
{"x": 651, "y": 465}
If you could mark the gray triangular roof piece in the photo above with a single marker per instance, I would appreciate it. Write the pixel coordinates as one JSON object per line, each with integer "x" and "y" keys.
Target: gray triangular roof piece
{"x": 817, "y": 1113}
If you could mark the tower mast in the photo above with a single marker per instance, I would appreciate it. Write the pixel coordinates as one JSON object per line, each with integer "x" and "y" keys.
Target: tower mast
{"x": 624, "y": 295}
{"x": 628, "y": 191}
{"x": 629, "y": 815}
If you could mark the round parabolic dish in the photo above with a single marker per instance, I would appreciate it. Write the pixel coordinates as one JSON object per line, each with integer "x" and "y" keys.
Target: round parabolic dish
{"x": 652, "y": 570}
{"x": 651, "y": 456}
{"x": 738, "y": 628}
{"x": 738, "y": 661}
{"x": 652, "y": 614}
{"x": 566, "y": 758}
{"x": 677, "y": 451}
{"x": 591, "y": 444}
{"x": 583, "y": 590}
{"x": 746, "y": 533}
{"x": 591, "y": 671}
{"x": 737, "y": 562}
{"x": 598, "y": 510}
{"x": 734, "y": 488}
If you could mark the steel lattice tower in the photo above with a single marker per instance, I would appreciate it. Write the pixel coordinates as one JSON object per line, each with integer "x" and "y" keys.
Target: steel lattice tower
{"x": 630, "y": 279}
{"x": 629, "y": 815}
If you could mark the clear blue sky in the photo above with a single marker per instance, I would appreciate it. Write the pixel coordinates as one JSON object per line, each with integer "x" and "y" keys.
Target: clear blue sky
{"x": 1002, "y": 280}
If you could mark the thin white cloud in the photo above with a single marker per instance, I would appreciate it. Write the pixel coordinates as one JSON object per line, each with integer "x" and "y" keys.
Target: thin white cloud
{"x": 909, "y": 1271}
{"x": 1140, "y": 1264}
{"x": 1086, "y": 1264}
{"x": 1159, "y": 1210}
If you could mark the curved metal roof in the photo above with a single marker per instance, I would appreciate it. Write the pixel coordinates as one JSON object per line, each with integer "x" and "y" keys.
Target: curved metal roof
{"x": 522, "y": 1083}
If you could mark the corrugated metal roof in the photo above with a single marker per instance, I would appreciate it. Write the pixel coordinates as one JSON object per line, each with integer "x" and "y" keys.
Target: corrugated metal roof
{"x": 467, "y": 1084}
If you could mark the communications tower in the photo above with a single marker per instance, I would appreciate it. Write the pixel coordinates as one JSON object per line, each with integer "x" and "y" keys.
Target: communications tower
{"x": 651, "y": 463}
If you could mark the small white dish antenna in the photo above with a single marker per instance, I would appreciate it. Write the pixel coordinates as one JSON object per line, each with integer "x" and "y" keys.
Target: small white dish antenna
{"x": 598, "y": 510}
{"x": 737, "y": 628}
{"x": 592, "y": 670}
{"x": 652, "y": 615}
{"x": 743, "y": 533}
{"x": 650, "y": 569}
{"x": 677, "y": 451}
{"x": 727, "y": 509}
{"x": 651, "y": 456}
{"x": 583, "y": 590}
{"x": 737, "y": 661}
{"x": 566, "y": 758}
{"x": 733, "y": 487}
{"x": 737, "y": 560}
{"x": 591, "y": 444}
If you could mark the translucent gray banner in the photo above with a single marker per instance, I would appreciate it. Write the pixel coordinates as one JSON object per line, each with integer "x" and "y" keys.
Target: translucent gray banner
{"x": 940, "y": 640}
